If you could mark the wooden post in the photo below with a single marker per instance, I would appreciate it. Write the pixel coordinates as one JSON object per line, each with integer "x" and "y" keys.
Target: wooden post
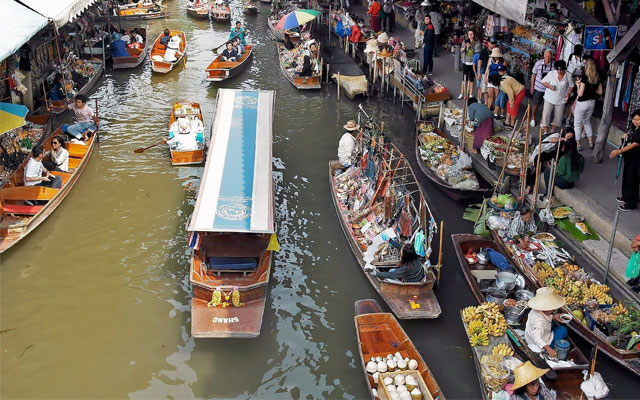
{"x": 440, "y": 251}
{"x": 534, "y": 202}
{"x": 523, "y": 167}
{"x": 463, "y": 130}
{"x": 607, "y": 111}
{"x": 328, "y": 68}
{"x": 338, "y": 86}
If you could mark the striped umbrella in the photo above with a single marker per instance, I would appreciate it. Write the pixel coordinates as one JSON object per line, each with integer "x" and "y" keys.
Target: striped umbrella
{"x": 296, "y": 18}
{"x": 11, "y": 116}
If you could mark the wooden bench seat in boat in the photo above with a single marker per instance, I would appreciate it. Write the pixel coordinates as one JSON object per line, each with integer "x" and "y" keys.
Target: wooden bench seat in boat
{"x": 28, "y": 193}
{"x": 232, "y": 264}
{"x": 19, "y": 209}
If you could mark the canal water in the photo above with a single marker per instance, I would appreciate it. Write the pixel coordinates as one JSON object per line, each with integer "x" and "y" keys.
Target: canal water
{"x": 95, "y": 302}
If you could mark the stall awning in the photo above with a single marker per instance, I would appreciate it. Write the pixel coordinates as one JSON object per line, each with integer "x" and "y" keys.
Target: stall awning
{"x": 60, "y": 11}
{"x": 18, "y": 26}
{"x": 515, "y": 10}
{"x": 236, "y": 188}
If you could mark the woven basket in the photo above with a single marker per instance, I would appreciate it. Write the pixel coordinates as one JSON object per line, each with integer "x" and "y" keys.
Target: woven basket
{"x": 468, "y": 140}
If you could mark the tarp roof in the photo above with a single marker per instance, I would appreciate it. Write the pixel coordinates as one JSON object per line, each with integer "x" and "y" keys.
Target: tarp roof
{"x": 19, "y": 24}
{"x": 61, "y": 11}
{"x": 515, "y": 10}
{"x": 236, "y": 189}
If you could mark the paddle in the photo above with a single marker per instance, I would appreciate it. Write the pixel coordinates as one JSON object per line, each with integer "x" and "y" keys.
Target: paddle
{"x": 142, "y": 149}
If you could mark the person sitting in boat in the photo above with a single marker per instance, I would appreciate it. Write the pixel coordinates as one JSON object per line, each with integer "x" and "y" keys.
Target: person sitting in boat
{"x": 409, "y": 269}
{"x": 522, "y": 225}
{"x": 173, "y": 50}
{"x": 185, "y": 137}
{"x": 58, "y": 156}
{"x": 307, "y": 68}
{"x": 230, "y": 54}
{"x": 527, "y": 384}
{"x": 237, "y": 44}
{"x": 86, "y": 120}
{"x": 166, "y": 37}
{"x": 35, "y": 174}
{"x": 238, "y": 31}
{"x": 288, "y": 44}
{"x": 135, "y": 34}
{"x": 544, "y": 327}
{"x": 119, "y": 47}
{"x": 57, "y": 88}
{"x": 347, "y": 144}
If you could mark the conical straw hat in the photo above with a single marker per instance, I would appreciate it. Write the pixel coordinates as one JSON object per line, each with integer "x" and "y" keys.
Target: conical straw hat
{"x": 526, "y": 373}
{"x": 546, "y": 300}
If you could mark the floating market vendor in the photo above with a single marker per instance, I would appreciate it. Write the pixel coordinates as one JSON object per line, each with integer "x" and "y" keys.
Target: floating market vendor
{"x": 288, "y": 44}
{"x": 409, "y": 268}
{"x": 547, "y": 152}
{"x": 543, "y": 327}
{"x": 527, "y": 384}
{"x": 521, "y": 225}
{"x": 57, "y": 88}
{"x": 119, "y": 47}
{"x": 307, "y": 68}
{"x": 173, "y": 49}
{"x": 482, "y": 118}
{"x": 185, "y": 135}
{"x": 347, "y": 144}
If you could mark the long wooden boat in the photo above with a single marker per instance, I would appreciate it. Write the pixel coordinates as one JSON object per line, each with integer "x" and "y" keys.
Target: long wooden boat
{"x": 193, "y": 112}
{"x": 300, "y": 82}
{"x": 233, "y": 223}
{"x": 451, "y": 192}
{"x": 250, "y": 9}
{"x": 17, "y": 217}
{"x": 201, "y": 12}
{"x": 220, "y": 70}
{"x": 137, "y": 56}
{"x": 379, "y": 334}
{"x": 278, "y": 34}
{"x": 141, "y": 11}
{"x": 220, "y": 13}
{"x": 158, "y": 50}
{"x": 397, "y": 295}
{"x": 628, "y": 359}
{"x": 566, "y": 381}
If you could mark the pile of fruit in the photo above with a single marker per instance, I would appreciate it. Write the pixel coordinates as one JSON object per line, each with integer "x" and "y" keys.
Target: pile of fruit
{"x": 484, "y": 320}
{"x": 502, "y": 349}
{"x": 433, "y": 147}
{"x": 577, "y": 292}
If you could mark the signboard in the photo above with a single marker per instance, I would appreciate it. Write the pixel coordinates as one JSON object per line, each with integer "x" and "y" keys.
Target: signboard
{"x": 600, "y": 37}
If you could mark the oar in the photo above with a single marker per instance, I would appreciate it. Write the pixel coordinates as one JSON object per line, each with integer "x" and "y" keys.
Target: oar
{"x": 142, "y": 149}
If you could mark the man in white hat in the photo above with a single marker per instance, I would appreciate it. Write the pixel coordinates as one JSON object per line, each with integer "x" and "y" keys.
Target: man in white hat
{"x": 543, "y": 328}
{"x": 173, "y": 49}
{"x": 184, "y": 137}
{"x": 347, "y": 144}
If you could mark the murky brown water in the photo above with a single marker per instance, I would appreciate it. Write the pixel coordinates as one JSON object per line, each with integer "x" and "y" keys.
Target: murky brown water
{"x": 95, "y": 302}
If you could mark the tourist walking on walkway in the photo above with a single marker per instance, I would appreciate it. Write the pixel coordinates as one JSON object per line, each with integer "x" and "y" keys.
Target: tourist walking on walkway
{"x": 389, "y": 23}
{"x": 630, "y": 152}
{"x": 514, "y": 91}
{"x": 559, "y": 87}
{"x": 428, "y": 32}
{"x": 437, "y": 21}
{"x": 374, "y": 16}
{"x": 492, "y": 79}
{"x": 588, "y": 88}
{"x": 540, "y": 69}
{"x": 468, "y": 76}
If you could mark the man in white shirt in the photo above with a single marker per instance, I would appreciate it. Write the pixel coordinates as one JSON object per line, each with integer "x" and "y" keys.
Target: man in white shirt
{"x": 185, "y": 136}
{"x": 347, "y": 144}
{"x": 540, "y": 334}
{"x": 559, "y": 86}
{"x": 35, "y": 174}
{"x": 173, "y": 50}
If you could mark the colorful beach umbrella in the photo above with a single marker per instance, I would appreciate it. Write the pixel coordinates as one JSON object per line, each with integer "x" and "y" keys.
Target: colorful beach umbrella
{"x": 296, "y": 18}
{"x": 11, "y": 116}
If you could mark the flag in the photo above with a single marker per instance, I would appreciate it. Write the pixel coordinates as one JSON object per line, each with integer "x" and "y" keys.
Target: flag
{"x": 273, "y": 243}
{"x": 194, "y": 240}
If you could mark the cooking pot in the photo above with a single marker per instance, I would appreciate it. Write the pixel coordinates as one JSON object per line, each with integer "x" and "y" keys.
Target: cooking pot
{"x": 506, "y": 281}
{"x": 496, "y": 296}
{"x": 523, "y": 294}
{"x": 513, "y": 315}
{"x": 483, "y": 258}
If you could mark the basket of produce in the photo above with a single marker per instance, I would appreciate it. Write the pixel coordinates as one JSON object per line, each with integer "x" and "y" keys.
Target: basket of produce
{"x": 407, "y": 385}
{"x": 494, "y": 142}
{"x": 494, "y": 375}
{"x": 426, "y": 127}
{"x": 468, "y": 139}
{"x": 503, "y": 202}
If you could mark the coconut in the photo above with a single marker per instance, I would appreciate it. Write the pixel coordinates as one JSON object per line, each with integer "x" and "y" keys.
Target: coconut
{"x": 402, "y": 365}
{"x": 391, "y": 389}
{"x": 389, "y": 356}
{"x": 398, "y": 379}
{"x": 391, "y": 365}
{"x": 411, "y": 383}
{"x": 413, "y": 364}
{"x": 375, "y": 376}
{"x": 405, "y": 395}
{"x": 394, "y": 396}
{"x": 401, "y": 388}
{"x": 416, "y": 394}
{"x": 387, "y": 380}
{"x": 378, "y": 359}
{"x": 382, "y": 366}
{"x": 398, "y": 355}
{"x": 372, "y": 367}
{"x": 374, "y": 392}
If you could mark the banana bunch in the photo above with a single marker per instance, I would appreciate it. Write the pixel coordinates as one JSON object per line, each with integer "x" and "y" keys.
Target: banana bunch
{"x": 235, "y": 297}
{"x": 502, "y": 349}
{"x": 570, "y": 267}
{"x": 475, "y": 326}
{"x": 598, "y": 292}
{"x": 542, "y": 270}
{"x": 479, "y": 339}
{"x": 492, "y": 319}
{"x": 216, "y": 298}
{"x": 618, "y": 309}
{"x": 470, "y": 314}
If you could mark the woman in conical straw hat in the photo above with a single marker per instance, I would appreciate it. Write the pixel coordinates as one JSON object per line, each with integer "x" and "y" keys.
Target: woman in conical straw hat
{"x": 543, "y": 327}
{"x": 527, "y": 385}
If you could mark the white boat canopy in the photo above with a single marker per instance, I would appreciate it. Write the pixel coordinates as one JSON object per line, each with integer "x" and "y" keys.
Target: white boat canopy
{"x": 515, "y": 10}
{"x": 236, "y": 189}
{"x": 18, "y": 26}
{"x": 60, "y": 11}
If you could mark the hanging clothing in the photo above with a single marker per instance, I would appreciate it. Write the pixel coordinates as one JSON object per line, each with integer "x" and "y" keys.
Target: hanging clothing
{"x": 627, "y": 92}
{"x": 559, "y": 48}
{"x": 634, "y": 102}
{"x": 620, "y": 74}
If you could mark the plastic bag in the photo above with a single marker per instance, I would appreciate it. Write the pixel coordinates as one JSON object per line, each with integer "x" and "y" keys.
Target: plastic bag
{"x": 594, "y": 387}
{"x": 495, "y": 222}
{"x": 633, "y": 267}
{"x": 464, "y": 161}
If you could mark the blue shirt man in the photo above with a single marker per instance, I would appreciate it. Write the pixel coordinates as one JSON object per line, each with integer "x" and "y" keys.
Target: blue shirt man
{"x": 119, "y": 47}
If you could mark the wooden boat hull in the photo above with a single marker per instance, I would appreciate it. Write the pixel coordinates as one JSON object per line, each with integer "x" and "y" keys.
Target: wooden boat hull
{"x": 300, "y": 82}
{"x": 451, "y": 192}
{"x": 136, "y": 59}
{"x": 198, "y": 13}
{"x": 186, "y": 157}
{"x": 164, "y": 67}
{"x": 252, "y": 10}
{"x": 220, "y": 15}
{"x": 566, "y": 380}
{"x": 628, "y": 359}
{"x": 219, "y": 71}
{"x": 380, "y": 334}
{"x": 137, "y": 17}
{"x": 396, "y": 296}
{"x": 60, "y": 106}
{"x": 12, "y": 231}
